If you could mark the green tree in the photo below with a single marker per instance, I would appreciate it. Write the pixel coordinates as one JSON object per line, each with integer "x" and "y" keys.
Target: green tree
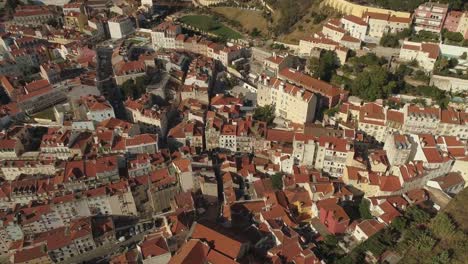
{"x": 134, "y": 89}
{"x": 389, "y": 40}
{"x": 364, "y": 209}
{"x": 399, "y": 224}
{"x": 327, "y": 66}
{"x": 417, "y": 215}
{"x": 442, "y": 258}
{"x": 404, "y": 33}
{"x": 372, "y": 84}
{"x": 265, "y": 113}
{"x": 277, "y": 181}
{"x": 331, "y": 241}
{"x": 313, "y": 65}
{"x": 402, "y": 71}
{"x": 424, "y": 242}
{"x": 453, "y": 36}
{"x": 420, "y": 75}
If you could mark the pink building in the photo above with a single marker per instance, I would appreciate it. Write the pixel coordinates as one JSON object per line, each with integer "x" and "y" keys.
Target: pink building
{"x": 453, "y": 20}
{"x": 333, "y": 216}
{"x": 430, "y": 17}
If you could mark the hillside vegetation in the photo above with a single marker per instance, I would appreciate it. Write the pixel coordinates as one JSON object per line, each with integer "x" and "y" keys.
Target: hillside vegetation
{"x": 445, "y": 240}
{"x": 248, "y": 19}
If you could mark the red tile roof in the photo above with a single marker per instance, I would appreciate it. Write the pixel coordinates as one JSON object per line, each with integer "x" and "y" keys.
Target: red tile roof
{"x": 154, "y": 246}
{"x": 355, "y": 19}
{"x": 389, "y": 183}
{"x": 218, "y": 241}
{"x": 280, "y": 135}
{"x": 192, "y": 252}
{"x": 30, "y": 254}
{"x": 310, "y": 83}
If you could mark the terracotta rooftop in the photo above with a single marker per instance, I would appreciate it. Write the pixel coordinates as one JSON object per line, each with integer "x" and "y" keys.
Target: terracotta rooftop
{"x": 355, "y": 19}
{"x": 218, "y": 241}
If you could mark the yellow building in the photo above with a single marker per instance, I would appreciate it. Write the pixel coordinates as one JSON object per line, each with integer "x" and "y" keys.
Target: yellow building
{"x": 349, "y": 8}
{"x": 74, "y": 20}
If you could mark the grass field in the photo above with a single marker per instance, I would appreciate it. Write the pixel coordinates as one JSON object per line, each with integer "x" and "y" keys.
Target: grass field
{"x": 208, "y": 24}
{"x": 45, "y": 114}
{"x": 458, "y": 210}
{"x": 247, "y": 18}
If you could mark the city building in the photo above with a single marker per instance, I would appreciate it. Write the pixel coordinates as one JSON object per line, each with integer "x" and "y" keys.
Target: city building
{"x": 292, "y": 103}
{"x": 424, "y": 53}
{"x": 430, "y": 16}
{"x": 120, "y": 27}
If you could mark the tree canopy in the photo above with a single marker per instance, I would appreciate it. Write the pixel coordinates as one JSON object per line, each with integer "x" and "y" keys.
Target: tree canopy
{"x": 324, "y": 67}
{"x": 134, "y": 89}
{"x": 373, "y": 83}
{"x": 389, "y": 40}
{"x": 265, "y": 113}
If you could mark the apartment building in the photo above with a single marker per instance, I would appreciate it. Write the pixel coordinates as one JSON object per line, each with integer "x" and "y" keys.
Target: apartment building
{"x": 291, "y": 102}
{"x": 333, "y": 155}
{"x": 138, "y": 144}
{"x": 304, "y": 149}
{"x": 129, "y": 70}
{"x": 380, "y": 24}
{"x": 330, "y": 95}
{"x": 227, "y": 137}
{"x": 372, "y": 121}
{"x": 149, "y": 116}
{"x": 196, "y": 92}
{"x": 420, "y": 119}
{"x": 56, "y": 143}
{"x": 95, "y": 108}
{"x": 424, "y": 53}
{"x": 309, "y": 46}
{"x": 355, "y": 26}
{"x": 163, "y": 35}
{"x": 154, "y": 249}
{"x": 187, "y": 133}
{"x": 39, "y": 99}
{"x": 32, "y": 15}
{"x": 11, "y": 169}
{"x": 70, "y": 207}
{"x": 453, "y": 123}
{"x": 10, "y": 148}
{"x": 399, "y": 149}
{"x": 37, "y": 254}
{"x": 463, "y": 25}
{"x": 333, "y": 30}
{"x": 453, "y": 20}
{"x": 113, "y": 199}
{"x": 430, "y": 16}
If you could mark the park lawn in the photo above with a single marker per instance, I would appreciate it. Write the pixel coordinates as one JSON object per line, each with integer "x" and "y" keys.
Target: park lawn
{"x": 249, "y": 19}
{"x": 45, "y": 114}
{"x": 208, "y": 24}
